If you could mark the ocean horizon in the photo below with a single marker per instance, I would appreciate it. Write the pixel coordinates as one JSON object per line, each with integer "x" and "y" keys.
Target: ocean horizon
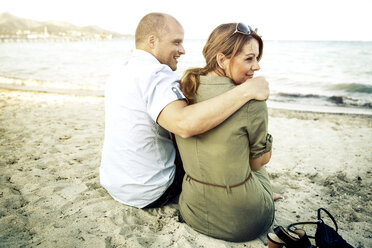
{"x": 324, "y": 76}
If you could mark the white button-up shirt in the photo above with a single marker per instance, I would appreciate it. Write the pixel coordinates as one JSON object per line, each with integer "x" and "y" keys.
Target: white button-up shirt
{"x": 137, "y": 163}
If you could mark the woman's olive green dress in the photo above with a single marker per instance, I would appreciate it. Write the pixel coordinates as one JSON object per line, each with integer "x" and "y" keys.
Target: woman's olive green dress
{"x": 221, "y": 197}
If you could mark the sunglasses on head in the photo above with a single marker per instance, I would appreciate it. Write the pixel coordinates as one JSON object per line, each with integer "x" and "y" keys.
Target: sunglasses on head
{"x": 241, "y": 28}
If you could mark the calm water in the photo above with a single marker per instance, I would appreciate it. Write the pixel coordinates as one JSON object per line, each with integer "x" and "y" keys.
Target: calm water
{"x": 306, "y": 75}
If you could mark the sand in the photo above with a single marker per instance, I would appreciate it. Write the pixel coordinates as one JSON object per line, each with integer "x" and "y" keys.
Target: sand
{"x": 50, "y": 195}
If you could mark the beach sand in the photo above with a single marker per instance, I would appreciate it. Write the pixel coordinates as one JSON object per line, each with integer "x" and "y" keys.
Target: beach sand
{"x": 50, "y": 195}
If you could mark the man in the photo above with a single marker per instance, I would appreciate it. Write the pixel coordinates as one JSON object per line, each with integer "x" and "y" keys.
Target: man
{"x": 144, "y": 105}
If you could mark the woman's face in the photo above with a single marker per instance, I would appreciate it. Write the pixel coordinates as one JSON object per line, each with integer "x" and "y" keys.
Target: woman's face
{"x": 242, "y": 66}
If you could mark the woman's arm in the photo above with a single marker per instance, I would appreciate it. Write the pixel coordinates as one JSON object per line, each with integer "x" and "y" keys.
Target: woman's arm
{"x": 188, "y": 120}
{"x": 260, "y": 141}
{"x": 258, "y": 163}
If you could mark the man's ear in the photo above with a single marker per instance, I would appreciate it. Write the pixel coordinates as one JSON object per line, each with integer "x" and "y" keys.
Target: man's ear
{"x": 151, "y": 40}
{"x": 220, "y": 57}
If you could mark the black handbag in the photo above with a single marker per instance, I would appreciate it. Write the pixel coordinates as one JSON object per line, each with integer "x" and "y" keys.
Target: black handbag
{"x": 325, "y": 236}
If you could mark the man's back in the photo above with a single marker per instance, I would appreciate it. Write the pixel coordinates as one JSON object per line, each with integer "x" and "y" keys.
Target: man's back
{"x": 138, "y": 155}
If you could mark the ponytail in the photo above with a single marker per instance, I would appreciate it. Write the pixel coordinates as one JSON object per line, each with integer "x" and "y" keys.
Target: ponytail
{"x": 190, "y": 82}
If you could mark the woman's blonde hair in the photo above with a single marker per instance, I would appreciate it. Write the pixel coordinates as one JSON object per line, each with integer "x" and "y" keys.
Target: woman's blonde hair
{"x": 221, "y": 40}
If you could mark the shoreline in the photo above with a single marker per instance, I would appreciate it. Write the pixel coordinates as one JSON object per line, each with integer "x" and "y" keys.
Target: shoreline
{"x": 87, "y": 91}
{"x": 50, "y": 195}
{"x": 36, "y": 85}
{"x": 79, "y": 92}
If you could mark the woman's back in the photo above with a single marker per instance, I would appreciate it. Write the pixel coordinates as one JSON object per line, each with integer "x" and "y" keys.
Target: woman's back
{"x": 221, "y": 196}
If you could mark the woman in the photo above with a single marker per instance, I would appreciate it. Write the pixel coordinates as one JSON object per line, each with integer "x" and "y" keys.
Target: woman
{"x": 226, "y": 192}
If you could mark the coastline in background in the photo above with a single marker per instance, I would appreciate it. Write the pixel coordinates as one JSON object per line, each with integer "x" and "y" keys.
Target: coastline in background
{"x": 325, "y": 76}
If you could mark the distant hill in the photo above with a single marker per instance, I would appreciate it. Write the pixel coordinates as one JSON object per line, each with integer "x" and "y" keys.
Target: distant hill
{"x": 12, "y": 25}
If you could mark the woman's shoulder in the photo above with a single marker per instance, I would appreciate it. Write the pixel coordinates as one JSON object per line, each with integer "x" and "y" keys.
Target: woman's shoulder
{"x": 211, "y": 86}
{"x": 256, "y": 108}
{"x": 216, "y": 80}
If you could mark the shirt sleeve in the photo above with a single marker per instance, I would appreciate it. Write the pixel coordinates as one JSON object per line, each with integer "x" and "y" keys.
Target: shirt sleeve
{"x": 260, "y": 140}
{"x": 164, "y": 89}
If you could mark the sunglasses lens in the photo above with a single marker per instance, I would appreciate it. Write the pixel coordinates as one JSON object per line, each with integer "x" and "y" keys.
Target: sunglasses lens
{"x": 243, "y": 28}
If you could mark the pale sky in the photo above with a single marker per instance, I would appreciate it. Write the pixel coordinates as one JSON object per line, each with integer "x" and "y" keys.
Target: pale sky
{"x": 275, "y": 19}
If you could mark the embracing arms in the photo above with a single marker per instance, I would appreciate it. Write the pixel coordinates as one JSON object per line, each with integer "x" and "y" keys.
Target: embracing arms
{"x": 188, "y": 120}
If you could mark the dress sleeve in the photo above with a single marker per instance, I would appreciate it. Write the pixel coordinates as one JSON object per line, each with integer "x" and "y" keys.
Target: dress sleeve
{"x": 163, "y": 89}
{"x": 260, "y": 141}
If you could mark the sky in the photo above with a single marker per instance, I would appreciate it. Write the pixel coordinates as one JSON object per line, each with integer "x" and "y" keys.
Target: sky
{"x": 275, "y": 19}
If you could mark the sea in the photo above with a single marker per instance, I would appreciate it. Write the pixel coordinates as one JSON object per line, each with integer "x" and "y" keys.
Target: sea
{"x": 321, "y": 76}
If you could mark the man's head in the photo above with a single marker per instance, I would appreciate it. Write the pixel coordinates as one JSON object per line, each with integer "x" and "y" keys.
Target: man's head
{"x": 162, "y": 36}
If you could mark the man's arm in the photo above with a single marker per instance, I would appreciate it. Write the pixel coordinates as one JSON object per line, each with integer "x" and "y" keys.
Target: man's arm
{"x": 188, "y": 120}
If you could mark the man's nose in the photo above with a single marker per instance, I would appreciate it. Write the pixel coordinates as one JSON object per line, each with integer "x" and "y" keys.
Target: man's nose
{"x": 182, "y": 50}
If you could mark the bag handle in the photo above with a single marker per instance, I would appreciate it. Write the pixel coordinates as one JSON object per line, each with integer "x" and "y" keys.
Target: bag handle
{"x": 293, "y": 225}
{"x": 330, "y": 216}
